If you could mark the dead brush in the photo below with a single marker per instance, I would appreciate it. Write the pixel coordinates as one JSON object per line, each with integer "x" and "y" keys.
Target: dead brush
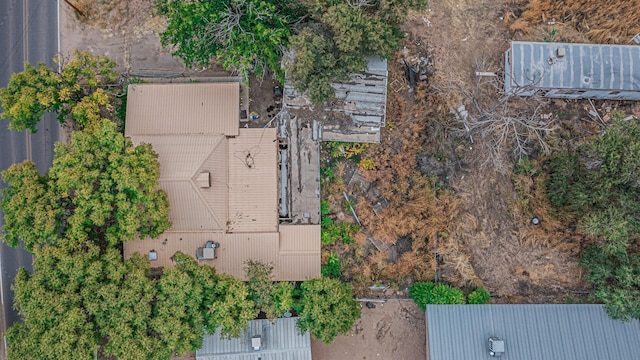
{"x": 531, "y": 200}
{"x": 603, "y": 22}
{"x": 457, "y": 267}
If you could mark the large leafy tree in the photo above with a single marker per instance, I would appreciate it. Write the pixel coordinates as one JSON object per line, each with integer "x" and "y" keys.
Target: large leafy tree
{"x": 342, "y": 36}
{"x": 100, "y": 187}
{"x": 273, "y": 299}
{"x": 79, "y": 297}
{"x": 244, "y": 35}
{"x": 598, "y": 185}
{"x": 77, "y": 89}
{"x": 225, "y": 301}
{"x": 326, "y": 308}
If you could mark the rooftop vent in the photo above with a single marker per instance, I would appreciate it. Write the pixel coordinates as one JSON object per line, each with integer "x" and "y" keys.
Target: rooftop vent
{"x": 256, "y": 342}
{"x": 561, "y": 52}
{"x": 204, "y": 180}
{"x": 496, "y": 346}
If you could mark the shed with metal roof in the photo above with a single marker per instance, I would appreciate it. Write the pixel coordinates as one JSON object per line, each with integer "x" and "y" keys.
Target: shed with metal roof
{"x": 573, "y": 71}
{"x": 262, "y": 340}
{"x": 362, "y": 99}
{"x": 529, "y": 332}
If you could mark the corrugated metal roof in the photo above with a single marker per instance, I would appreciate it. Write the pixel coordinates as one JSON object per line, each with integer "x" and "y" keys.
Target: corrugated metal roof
{"x": 243, "y": 196}
{"x": 298, "y": 261}
{"x": 182, "y": 159}
{"x": 201, "y": 108}
{"x": 253, "y": 181}
{"x": 363, "y": 97}
{"x": 280, "y": 341}
{"x": 584, "y": 66}
{"x": 300, "y": 238}
{"x": 530, "y": 332}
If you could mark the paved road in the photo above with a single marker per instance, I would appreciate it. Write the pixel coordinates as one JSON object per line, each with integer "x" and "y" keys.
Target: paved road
{"x": 28, "y": 33}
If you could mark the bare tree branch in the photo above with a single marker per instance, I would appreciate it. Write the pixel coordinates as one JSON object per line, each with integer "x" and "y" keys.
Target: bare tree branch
{"x": 499, "y": 120}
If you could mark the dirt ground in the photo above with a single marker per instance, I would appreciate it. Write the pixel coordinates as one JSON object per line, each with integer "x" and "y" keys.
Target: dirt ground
{"x": 394, "y": 330}
{"x": 461, "y": 33}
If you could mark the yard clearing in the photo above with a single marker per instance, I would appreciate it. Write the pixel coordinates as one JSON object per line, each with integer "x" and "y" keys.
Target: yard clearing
{"x": 393, "y": 330}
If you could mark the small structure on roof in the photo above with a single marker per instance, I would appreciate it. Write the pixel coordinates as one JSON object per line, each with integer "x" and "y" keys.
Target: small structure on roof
{"x": 262, "y": 340}
{"x": 528, "y": 332}
{"x": 362, "y": 99}
{"x": 573, "y": 71}
{"x": 221, "y": 182}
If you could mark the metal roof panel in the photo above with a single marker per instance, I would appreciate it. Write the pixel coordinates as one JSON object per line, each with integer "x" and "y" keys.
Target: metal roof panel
{"x": 530, "y": 332}
{"x": 585, "y": 66}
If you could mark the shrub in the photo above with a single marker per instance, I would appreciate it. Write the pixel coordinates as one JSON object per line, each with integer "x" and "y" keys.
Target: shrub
{"x": 333, "y": 268}
{"x": 479, "y": 296}
{"x": 367, "y": 164}
{"x": 346, "y": 150}
{"x": 424, "y": 293}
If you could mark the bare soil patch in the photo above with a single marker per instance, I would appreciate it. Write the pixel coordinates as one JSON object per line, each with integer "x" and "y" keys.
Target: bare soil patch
{"x": 393, "y": 330}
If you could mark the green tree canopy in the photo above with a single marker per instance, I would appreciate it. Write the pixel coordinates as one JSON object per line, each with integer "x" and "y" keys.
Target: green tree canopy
{"x": 100, "y": 187}
{"x": 326, "y": 308}
{"x": 339, "y": 41}
{"x": 38, "y": 89}
{"x": 313, "y": 64}
{"x": 616, "y": 280}
{"x": 225, "y": 300}
{"x": 244, "y": 35}
{"x": 79, "y": 297}
{"x": 271, "y": 298}
{"x": 598, "y": 185}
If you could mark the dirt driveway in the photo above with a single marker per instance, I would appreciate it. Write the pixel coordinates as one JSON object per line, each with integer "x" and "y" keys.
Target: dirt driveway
{"x": 394, "y": 330}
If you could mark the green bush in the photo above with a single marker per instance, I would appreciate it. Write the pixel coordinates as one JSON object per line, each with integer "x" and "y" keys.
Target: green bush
{"x": 424, "y": 293}
{"x": 479, "y": 296}
{"x": 332, "y": 231}
{"x": 333, "y": 268}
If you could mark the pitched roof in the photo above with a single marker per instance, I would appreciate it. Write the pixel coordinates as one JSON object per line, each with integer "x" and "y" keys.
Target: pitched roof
{"x": 279, "y": 341}
{"x": 294, "y": 252}
{"x": 200, "y": 108}
{"x": 253, "y": 181}
{"x": 530, "y": 332}
{"x": 182, "y": 159}
{"x": 220, "y": 187}
{"x": 583, "y": 66}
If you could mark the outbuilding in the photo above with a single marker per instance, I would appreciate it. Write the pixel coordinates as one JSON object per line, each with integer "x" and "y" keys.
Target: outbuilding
{"x": 529, "y": 332}
{"x": 573, "y": 71}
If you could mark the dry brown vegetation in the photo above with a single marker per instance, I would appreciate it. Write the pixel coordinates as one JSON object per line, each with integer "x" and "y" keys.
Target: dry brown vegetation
{"x": 117, "y": 15}
{"x": 430, "y": 192}
{"x": 605, "y": 21}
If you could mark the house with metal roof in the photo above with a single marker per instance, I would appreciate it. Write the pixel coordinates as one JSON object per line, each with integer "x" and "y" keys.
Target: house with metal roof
{"x": 262, "y": 340}
{"x": 221, "y": 182}
{"x": 528, "y": 332}
{"x": 573, "y": 71}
